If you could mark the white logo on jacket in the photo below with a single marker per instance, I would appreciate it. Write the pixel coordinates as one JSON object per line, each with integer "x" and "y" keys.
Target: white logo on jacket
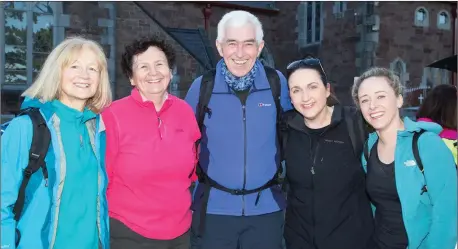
{"x": 264, "y": 104}
{"x": 410, "y": 163}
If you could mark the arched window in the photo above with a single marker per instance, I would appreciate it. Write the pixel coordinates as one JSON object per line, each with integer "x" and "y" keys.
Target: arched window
{"x": 443, "y": 20}
{"x": 399, "y": 67}
{"x": 421, "y": 17}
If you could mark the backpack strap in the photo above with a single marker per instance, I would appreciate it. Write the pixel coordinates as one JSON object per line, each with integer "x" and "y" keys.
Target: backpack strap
{"x": 206, "y": 88}
{"x": 40, "y": 143}
{"x": 205, "y": 93}
{"x": 416, "y": 155}
{"x": 275, "y": 87}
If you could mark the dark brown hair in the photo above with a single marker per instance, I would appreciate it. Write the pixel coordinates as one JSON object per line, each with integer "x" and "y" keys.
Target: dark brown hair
{"x": 440, "y": 106}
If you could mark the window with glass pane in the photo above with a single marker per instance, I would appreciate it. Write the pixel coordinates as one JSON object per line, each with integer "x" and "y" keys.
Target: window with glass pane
{"x": 421, "y": 15}
{"x": 309, "y": 21}
{"x": 18, "y": 49}
{"x": 317, "y": 22}
{"x": 15, "y": 43}
{"x": 443, "y": 18}
{"x": 42, "y": 34}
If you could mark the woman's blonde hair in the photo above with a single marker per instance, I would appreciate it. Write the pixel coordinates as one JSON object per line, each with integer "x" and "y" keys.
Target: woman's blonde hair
{"x": 47, "y": 85}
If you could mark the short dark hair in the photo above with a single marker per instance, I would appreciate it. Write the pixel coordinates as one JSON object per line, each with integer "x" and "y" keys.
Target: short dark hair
{"x": 440, "y": 106}
{"x": 141, "y": 45}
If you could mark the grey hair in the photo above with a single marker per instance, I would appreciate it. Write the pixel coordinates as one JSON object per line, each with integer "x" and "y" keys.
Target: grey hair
{"x": 391, "y": 77}
{"x": 239, "y": 18}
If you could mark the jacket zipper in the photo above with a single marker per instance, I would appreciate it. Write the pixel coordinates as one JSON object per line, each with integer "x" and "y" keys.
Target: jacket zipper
{"x": 244, "y": 157}
{"x": 312, "y": 170}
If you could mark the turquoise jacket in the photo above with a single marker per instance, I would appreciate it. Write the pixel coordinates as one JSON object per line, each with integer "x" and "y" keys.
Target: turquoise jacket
{"x": 430, "y": 218}
{"x": 41, "y": 210}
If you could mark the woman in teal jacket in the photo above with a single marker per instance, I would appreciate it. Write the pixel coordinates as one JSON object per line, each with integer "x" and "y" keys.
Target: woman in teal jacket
{"x": 65, "y": 205}
{"x": 413, "y": 209}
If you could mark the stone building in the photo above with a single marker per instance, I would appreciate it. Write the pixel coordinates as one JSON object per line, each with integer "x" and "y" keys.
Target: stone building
{"x": 348, "y": 36}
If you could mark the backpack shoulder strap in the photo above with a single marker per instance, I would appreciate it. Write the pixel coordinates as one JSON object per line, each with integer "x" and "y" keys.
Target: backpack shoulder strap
{"x": 41, "y": 140}
{"x": 275, "y": 87}
{"x": 416, "y": 153}
{"x": 205, "y": 92}
{"x": 356, "y": 129}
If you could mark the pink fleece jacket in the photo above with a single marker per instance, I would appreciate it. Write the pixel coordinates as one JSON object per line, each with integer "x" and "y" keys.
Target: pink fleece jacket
{"x": 150, "y": 156}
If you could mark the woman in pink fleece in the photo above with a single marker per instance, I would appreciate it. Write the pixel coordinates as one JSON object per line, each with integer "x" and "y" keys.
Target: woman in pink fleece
{"x": 150, "y": 154}
{"x": 440, "y": 107}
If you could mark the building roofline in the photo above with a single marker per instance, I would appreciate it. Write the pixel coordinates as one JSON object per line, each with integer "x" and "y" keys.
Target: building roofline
{"x": 224, "y": 4}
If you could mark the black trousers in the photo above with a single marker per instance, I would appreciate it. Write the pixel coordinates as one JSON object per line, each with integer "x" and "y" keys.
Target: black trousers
{"x": 121, "y": 237}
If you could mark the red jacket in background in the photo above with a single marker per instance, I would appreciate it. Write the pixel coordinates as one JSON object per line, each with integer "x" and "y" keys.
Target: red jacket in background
{"x": 150, "y": 156}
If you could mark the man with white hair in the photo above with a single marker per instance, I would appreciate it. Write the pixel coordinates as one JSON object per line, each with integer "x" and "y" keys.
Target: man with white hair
{"x": 238, "y": 201}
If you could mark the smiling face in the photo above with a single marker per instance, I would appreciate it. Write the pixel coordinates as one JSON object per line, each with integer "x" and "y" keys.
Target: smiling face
{"x": 80, "y": 78}
{"x": 378, "y": 102}
{"x": 308, "y": 92}
{"x": 239, "y": 49}
{"x": 151, "y": 73}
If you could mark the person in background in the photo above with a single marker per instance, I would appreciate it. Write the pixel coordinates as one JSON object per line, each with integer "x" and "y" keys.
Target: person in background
{"x": 150, "y": 154}
{"x": 414, "y": 207}
{"x": 59, "y": 211}
{"x": 439, "y": 107}
{"x": 239, "y": 150}
{"x": 327, "y": 205}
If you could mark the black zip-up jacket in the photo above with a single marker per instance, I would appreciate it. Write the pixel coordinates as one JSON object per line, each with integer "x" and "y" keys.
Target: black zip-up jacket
{"x": 328, "y": 207}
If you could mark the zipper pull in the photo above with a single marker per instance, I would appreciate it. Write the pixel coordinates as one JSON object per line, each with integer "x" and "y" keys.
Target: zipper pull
{"x": 46, "y": 182}
{"x": 257, "y": 198}
{"x": 312, "y": 170}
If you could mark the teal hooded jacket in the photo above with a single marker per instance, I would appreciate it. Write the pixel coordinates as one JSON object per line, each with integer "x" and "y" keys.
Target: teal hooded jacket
{"x": 429, "y": 218}
{"x": 38, "y": 223}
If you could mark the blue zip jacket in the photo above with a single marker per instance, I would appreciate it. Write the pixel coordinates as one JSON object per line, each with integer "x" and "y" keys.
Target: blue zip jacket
{"x": 41, "y": 210}
{"x": 429, "y": 218}
{"x": 239, "y": 145}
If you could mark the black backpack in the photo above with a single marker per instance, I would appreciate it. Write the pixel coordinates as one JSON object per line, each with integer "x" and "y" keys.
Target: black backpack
{"x": 416, "y": 155}
{"x": 205, "y": 93}
{"x": 41, "y": 140}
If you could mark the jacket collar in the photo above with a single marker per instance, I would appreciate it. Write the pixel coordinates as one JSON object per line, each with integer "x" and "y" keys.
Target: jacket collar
{"x": 260, "y": 79}
{"x": 297, "y": 120}
{"x": 137, "y": 97}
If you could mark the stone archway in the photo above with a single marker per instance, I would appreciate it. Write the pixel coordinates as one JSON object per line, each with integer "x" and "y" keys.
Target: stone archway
{"x": 266, "y": 57}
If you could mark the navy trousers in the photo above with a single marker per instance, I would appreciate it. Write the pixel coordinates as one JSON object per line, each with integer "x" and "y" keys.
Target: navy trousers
{"x": 238, "y": 232}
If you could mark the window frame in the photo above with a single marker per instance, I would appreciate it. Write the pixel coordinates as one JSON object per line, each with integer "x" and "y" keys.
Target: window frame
{"x": 339, "y": 8}
{"x": 424, "y": 23}
{"x": 57, "y": 38}
{"x": 447, "y": 25}
{"x": 403, "y": 74}
{"x": 303, "y": 18}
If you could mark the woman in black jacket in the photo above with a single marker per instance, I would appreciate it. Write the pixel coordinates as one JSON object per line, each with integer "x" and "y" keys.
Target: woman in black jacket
{"x": 327, "y": 203}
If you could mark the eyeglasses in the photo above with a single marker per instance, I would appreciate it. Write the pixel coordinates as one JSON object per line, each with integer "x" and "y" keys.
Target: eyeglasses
{"x": 307, "y": 62}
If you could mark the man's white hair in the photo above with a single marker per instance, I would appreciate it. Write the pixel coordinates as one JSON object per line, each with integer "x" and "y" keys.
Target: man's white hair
{"x": 239, "y": 18}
